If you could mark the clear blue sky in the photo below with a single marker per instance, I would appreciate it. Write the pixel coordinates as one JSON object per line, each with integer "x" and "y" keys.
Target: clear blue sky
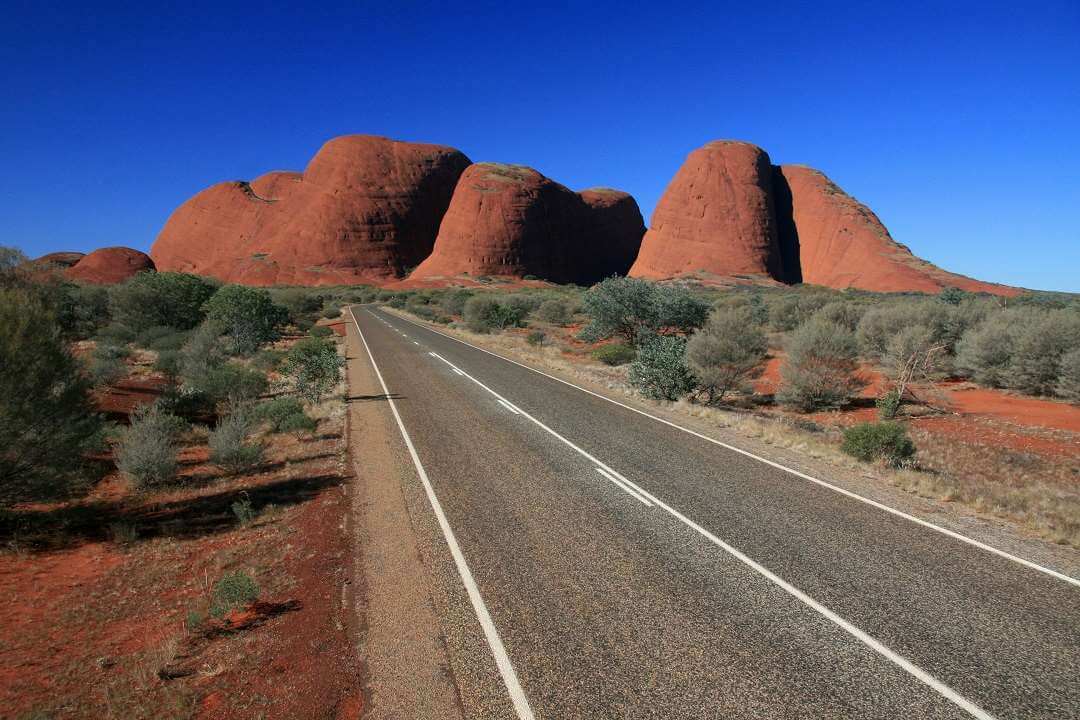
{"x": 959, "y": 126}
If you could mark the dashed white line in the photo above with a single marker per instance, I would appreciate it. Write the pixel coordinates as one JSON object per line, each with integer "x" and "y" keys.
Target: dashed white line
{"x": 874, "y": 644}
{"x": 502, "y": 660}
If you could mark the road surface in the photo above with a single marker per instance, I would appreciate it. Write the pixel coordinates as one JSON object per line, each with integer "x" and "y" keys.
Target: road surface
{"x": 615, "y": 566}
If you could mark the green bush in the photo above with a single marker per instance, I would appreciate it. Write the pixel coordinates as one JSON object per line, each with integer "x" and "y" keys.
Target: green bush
{"x": 167, "y": 363}
{"x": 276, "y": 411}
{"x": 161, "y": 337}
{"x": 727, "y": 352}
{"x": 230, "y": 448}
{"x": 820, "y": 368}
{"x": 885, "y": 441}
{"x": 332, "y": 310}
{"x": 47, "y": 421}
{"x": 301, "y": 303}
{"x": 201, "y": 353}
{"x": 231, "y": 383}
{"x": 171, "y": 299}
{"x": 795, "y": 307}
{"x": 232, "y": 591}
{"x": 984, "y": 353}
{"x": 299, "y": 424}
{"x": 845, "y": 313}
{"x": 888, "y": 405}
{"x": 147, "y": 449}
{"x": 115, "y": 334}
{"x": 660, "y": 371}
{"x": 483, "y": 314}
{"x": 320, "y": 331}
{"x": 633, "y": 308}
{"x": 248, "y": 316}
{"x": 614, "y": 354}
{"x": 314, "y": 367}
{"x": 267, "y": 359}
{"x": 106, "y": 364}
{"x": 1068, "y": 385}
{"x": 1038, "y": 349}
{"x": 555, "y": 311}
{"x": 81, "y": 309}
{"x": 453, "y": 301}
{"x": 536, "y": 338}
{"x": 880, "y": 324}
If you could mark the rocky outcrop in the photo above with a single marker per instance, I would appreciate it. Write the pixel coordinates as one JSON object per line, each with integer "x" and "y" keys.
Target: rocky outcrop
{"x": 716, "y": 218}
{"x": 512, "y": 221}
{"x": 366, "y": 209}
{"x": 57, "y": 260}
{"x": 107, "y": 266}
{"x": 838, "y": 242}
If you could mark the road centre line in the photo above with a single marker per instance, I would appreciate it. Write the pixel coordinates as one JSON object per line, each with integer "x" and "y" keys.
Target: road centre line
{"x": 626, "y": 488}
{"x": 835, "y": 488}
{"x": 502, "y": 659}
{"x": 874, "y": 644}
{"x": 510, "y": 407}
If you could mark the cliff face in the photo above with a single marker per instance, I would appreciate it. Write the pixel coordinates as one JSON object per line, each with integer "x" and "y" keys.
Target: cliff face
{"x": 365, "y": 210}
{"x": 840, "y": 243}
{"x": 715, "y": 218}
{"x": 510, "y": 220}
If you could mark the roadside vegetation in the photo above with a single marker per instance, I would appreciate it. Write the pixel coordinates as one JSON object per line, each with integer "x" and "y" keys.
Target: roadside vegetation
{"x": 187, "y": 439}
{"x": 853, "y": 374}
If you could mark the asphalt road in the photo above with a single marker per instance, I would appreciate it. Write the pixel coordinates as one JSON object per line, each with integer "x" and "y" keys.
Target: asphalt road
{"x": 629, "y": 569}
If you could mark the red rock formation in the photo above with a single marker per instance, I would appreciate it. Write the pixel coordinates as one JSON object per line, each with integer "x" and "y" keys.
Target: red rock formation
{"x": 58, "y": 260}
{"x": 840, "y": 243}
{"x": 511, "y": 221}
{"x": 616, "y": 232}
{"x": 365, "y": 209}
{"x": 716, "y": 217}
{"x": 107, "y": 266}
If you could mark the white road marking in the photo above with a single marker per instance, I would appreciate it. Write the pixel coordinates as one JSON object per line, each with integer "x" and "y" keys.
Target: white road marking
{"x": 502, "y": 660}
{"x": 415, "y": 343}
{"x": 459, "y": 372}
{"x": 835, "y": 488}
{"x": 874, "y": 644}
{"x": 625, "y": 488}
{"x": 510, "y": 407}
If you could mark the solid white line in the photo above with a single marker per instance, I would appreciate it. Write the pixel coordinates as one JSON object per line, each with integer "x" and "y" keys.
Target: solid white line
{"x": 625, "y": 488}
{"x": 510, "y": 407}
{"x": 458, "y": 371}
{"x": 835, "y": 488}
{"x": 415, "y": 343}
{"x": 867, "y": 640}
{"x": 502, "y": 660}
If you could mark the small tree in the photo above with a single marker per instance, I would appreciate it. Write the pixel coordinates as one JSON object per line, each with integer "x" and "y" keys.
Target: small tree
{"x": 633, "y": 308}
{"x": 248, "y": 316}
{"x": 885, "y": 441}
{"x": 1068, "y": 385}
{"x": 171, "y": 299}
{"x": 726, "y": 352}
{"x": 820, "y": 368}
{"x": 912, "y": 356}
{"x": 47, "y": 422}
{"x": 1038, "y": 350}
{"x": 660, "y": 371}
{"x": 314, "y": 367}
{"x": 985, "y": 351}
{"x": 147, "y": 449}
{"x": 555, "y": 311}
{"x": 484, "y": 313}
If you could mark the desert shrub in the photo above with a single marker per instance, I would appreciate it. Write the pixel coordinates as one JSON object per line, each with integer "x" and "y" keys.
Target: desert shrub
{"x": 161, "y": 337}
{"x": 248, "y": 316}
{"x": 614, "y": 354}
{"x": 793, "y": 308}
{"x": 47, "y": 422}
{"x": 880, "y": 324}
{"x": 453, "y": 301}
{"x": 1038, "y": 349}
{"x": 298, "y": 424}
{"x": 397, "y": 301}
{"x": 232, "y": 591}
{"x": 985, "y": 351}
{"x": 726, "y": 352}
{"x": 843, "y": 312}
{"x": 888, "y": 405}
{"x": 320, "y": 331}
{"x": 267, "y": 359}
{"x": 660, "y": 371}
{"x": 314, "y": 367}
{"x": 752, "y": 302}
{"x": 274, "y": 411}
{"x": 912, "y": 354}
{"x": 631, "y": 307}
{"x": 146, "y": 452}
{"x": 232, "y": 383}
{"x": 244, "y": 510}
{"x": 885, "y": 441}
{"x": 960, "y": 318}
{"x": 332, "y": 310}
{"x": 523, "y": 303}
{"x": 483, "y": 314}
{"x": 820, "y": 368}
{"x": 81, "y": 310}
{"x": 115, "y": 334}
{"x": 536, "y": 338}
{"x": 424, "y": 312}
{"x": 164, "y": 298}
{"x": 1068, "y": 384}
{"x": 106, "y": 364}
{"x": 555, "y": 311}
{"x": 304, "y": 324}
{"x": 230, "y": 448}
{"x": 201, "y": 353}
{"x": 952, "y": 295}
{"x": 167, "y": 363}
{"x": 301, "y": 303}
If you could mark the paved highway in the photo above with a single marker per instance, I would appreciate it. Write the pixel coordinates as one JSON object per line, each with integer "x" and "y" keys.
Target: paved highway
{"x": 616, "y": 566}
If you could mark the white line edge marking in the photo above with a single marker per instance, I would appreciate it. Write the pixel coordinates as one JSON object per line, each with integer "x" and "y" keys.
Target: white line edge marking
{"x": 625, "y": 488}
{"x": 510, "y": 407}
{"x": 502, "y": 660}
{"x": 835, "y": 488}
{"x": 874, "y": 644}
